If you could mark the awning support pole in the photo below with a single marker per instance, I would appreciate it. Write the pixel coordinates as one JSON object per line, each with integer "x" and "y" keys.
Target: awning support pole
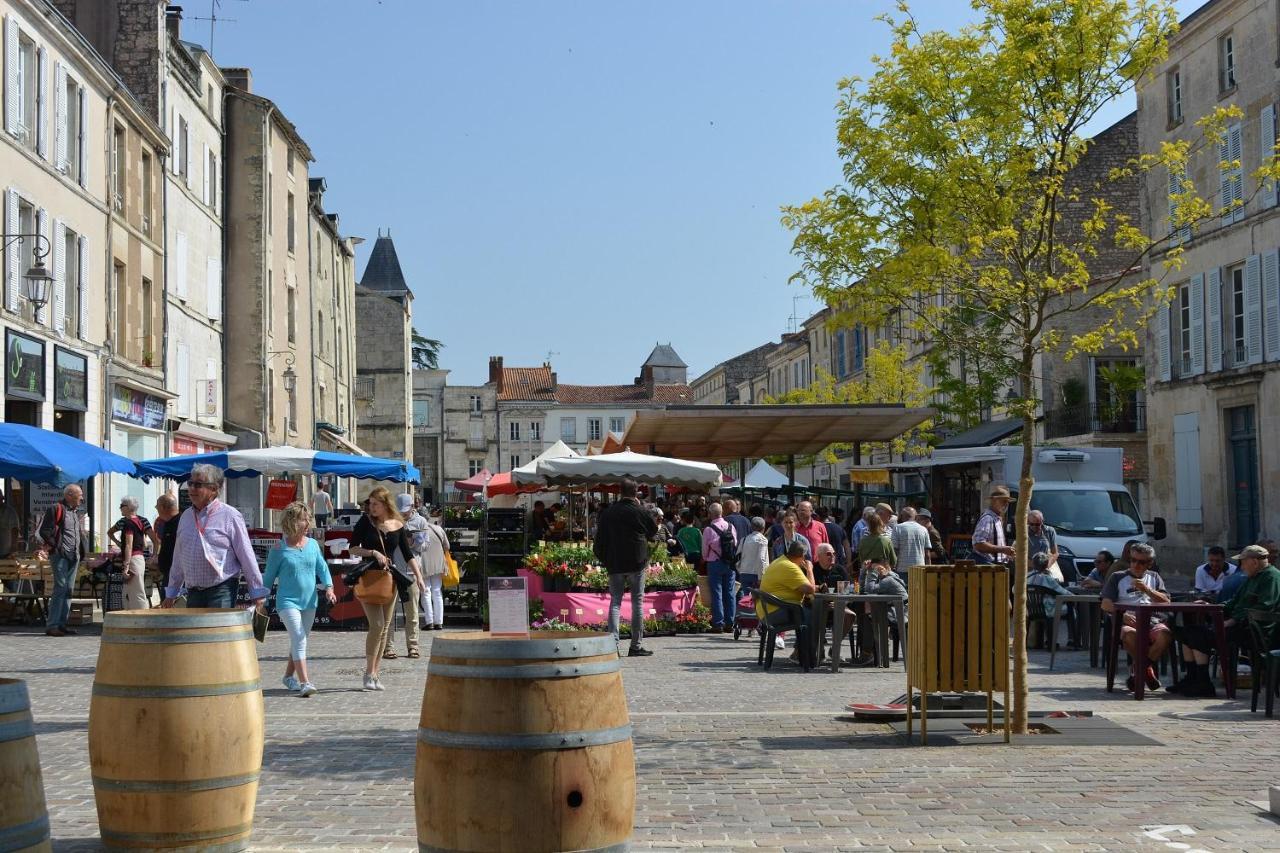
{"x": 857, "y": 487}
{"x": 742, "y": 481}
{"x": 791, "y": 479}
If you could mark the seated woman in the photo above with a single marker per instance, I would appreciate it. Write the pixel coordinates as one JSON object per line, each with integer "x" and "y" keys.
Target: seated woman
{"x": 881, "y": 580}
{"x": 1040, "y": 577}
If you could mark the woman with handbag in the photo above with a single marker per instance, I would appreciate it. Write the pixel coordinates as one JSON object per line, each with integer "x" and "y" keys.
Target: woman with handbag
{"x": 434, "y": 558}
{"x": 377, "y": 535}
{"x": 299, "y": 565}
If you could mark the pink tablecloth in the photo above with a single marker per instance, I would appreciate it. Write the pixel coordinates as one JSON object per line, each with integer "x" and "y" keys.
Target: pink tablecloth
{"x": 588, "y": 608}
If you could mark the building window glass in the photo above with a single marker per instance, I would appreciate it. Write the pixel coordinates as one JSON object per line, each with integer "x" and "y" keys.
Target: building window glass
{"x": 146, "y": 193}
{"x": 292, "y": 306}
{"x": 288, "y": 161}
{"x": 184, "y": 150}
{"x": 292, "y": 237}
{"x": 422, "y": 413}
{"x": 28, "y": 91}
{"x": 535, "y": 430}
{"x": 475, "y": 404}
{"x": 71, "y": 274}
{"x": 593, "y": 429}
{"x": 569, "y": 429}
{"x": 148, "y": 324}
{"x": 514, "y": 428}
{"x": 122, "y": 338}
{"x": 27, "y": 225}
{"x": 1174, "y": 79}
{"x": 1184, "y": 329}
{"x": 118, "y": 173}
{"x": 1235, "y": 316}
{"x": 1226, "y": 62}
{"x": 73, "y": 142}
{"x": 618, "y": 425}
{"x": 474, "y": 466}
{"x": 515, "y": 461}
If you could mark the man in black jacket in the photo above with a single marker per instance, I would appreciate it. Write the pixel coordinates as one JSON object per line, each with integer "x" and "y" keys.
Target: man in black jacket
{"x": 623, "y": 536}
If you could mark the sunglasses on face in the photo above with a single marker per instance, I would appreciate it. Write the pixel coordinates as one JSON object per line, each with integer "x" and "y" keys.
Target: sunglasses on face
{"x": 1139, "y": 562}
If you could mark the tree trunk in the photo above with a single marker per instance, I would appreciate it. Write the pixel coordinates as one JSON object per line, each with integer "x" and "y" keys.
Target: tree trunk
{"x": 1020, "y": 562}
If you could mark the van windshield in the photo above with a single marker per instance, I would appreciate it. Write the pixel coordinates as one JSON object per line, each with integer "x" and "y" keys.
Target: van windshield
{"x": 1087, "y": 512}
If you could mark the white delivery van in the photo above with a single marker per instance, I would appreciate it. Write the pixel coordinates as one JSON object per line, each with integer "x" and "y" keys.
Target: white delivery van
{"x": 1080, "y": 490}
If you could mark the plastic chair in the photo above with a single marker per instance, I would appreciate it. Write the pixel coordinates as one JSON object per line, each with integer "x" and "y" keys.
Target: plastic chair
{"x": 1265, "y": 659}
{"x": 1035, "y": 612}
{"x": 787, "y": 617}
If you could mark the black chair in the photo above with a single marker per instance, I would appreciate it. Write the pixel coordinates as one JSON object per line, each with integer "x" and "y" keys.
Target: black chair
{"x": 787, "y": 617}
{"x": 1264, "y": 657}
{"x": 1036, "y": 596}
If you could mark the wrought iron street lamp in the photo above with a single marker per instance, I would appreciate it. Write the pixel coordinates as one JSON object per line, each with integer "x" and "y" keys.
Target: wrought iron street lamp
{"x": 36, "y": 282}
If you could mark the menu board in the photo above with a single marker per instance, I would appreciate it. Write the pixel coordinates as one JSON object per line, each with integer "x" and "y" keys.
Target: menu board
{"x": 508, "y": 607}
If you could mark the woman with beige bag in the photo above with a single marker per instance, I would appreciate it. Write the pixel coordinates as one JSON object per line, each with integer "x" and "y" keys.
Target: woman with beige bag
{"x": 377, "y": 536}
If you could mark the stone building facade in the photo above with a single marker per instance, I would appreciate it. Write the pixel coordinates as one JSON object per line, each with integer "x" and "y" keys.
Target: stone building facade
{"x": 429, "y": 430}
{"x": 384, "y": 374}
{"x": 1213, "y": 358}
{"x": 470, "y": 433}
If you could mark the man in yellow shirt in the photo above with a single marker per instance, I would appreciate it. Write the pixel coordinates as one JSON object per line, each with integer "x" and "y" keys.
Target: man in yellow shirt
{"x": 788, "y": 577}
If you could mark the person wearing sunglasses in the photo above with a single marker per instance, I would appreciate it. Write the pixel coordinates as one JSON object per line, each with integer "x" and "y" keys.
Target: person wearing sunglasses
{"x": 1139, "y": 584}
{"x": 213, "y": 548}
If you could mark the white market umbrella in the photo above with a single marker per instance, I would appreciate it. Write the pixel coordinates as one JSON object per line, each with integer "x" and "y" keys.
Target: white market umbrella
{"x": 527, "y": 474}
{"x": 764, "y": 476}
{"x": 615, "y": 467}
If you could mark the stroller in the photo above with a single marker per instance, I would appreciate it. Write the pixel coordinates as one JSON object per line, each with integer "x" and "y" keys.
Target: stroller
{"x": 744, "y": 617}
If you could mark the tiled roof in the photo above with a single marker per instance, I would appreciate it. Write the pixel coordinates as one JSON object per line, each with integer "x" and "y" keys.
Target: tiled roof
{"x": 664, "y": 356}
{"x": 578, "y": 395}
{"x": 382, "y": 272}
{"x": 527, "y": 383}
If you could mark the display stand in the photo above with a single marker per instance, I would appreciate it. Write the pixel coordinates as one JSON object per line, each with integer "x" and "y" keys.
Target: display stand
{"x": 464, "y": 525}
{"x": 505, "y": 544}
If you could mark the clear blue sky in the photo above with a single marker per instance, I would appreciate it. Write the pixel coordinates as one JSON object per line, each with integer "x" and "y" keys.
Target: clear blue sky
{"x": 584, "y": 178}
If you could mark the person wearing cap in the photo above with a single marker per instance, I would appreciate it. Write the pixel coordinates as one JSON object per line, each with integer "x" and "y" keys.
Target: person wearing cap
{"x": 937, "y": 552}
{"x": 1261, "y": 591}
{"x": 911, "y": 541}
{"x": 1139, "y": 584}
{"x": 989, "y": 545}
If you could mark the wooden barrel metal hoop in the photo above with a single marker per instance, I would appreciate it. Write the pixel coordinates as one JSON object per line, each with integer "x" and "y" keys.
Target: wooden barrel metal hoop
{"x": 524, "y": 745}
{"x": 24, "y": 820}
{"x": 175, "y": 730}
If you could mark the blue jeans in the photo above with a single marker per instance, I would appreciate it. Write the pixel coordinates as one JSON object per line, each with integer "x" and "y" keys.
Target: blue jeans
{"x": 616, "y": 589}
{"x": 298, "y": 624}
{"x": 723, "y": 606}
{"x": 64, "y": 575}
{"x": 220, "y": 595}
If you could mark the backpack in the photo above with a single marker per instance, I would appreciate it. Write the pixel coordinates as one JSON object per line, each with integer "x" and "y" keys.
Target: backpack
{"x": 728, "y": 545}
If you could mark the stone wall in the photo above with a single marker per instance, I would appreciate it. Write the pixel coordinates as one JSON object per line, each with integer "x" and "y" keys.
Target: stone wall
{"x": 382, "y": 357}
{"x": 130, "y": 35}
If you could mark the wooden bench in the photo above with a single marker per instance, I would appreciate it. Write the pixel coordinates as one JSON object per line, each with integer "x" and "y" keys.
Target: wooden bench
{"x": 26, "y": 585}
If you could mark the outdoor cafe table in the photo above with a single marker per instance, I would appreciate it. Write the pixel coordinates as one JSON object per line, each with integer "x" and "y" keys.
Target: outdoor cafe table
{"x": 1088, "y": 619}
{"x": 1144, "y": 612}
{"x": 879, "y": 617}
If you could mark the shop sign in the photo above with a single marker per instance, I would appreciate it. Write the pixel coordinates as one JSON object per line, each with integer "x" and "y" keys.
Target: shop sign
{"x": 211, "y": 397}
{"x": 280, "y": 493}
{"x": 24, "y": 366}
{"x": 184, "y": 446}
{"x": 70, "y": 380}
{"x": 135, "y": 407}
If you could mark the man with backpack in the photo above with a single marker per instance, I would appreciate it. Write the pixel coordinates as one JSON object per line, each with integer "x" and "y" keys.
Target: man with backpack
{"x": 720, "y": 553}
{"x": 62, "y": 540}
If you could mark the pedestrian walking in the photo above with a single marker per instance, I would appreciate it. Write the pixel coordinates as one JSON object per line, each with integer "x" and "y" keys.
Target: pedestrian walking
{"x": 166, "y": 528}
{"x": 377, "y": 536}
{"x": 298, "y": 564}
{"x": 432, "y": 560}
{"x": 63, "y": 541}
{"x": 213, "y": 548}
{"x": 130, "y": 534}
{"x": 720, "y": 552}
{"x": 416, "y": 526}
{"x": 622, "y": 544}
{"x": 321, "y": 505}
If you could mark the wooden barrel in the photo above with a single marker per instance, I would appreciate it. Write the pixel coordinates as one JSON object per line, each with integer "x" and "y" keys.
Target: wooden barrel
{"x": 24, "y": 822}
{"x": 175, "y": 730}
{"x": 524, "y": 745}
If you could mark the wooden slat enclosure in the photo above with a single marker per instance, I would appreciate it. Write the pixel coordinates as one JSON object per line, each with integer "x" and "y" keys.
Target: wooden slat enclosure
{"x": 960, "y": 634}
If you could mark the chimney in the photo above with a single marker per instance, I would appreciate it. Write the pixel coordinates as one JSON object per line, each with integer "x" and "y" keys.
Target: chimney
{"x": 239, "y": 78}
{"x": 495, "y": 371}
{"x": 553, "y": 381}
{"x": 173, "y": 21}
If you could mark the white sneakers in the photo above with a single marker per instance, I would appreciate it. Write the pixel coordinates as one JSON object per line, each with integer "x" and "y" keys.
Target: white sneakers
{"x": 291, "y": 683}
{"x": 372, "y": 683}
{"x": 778, "y": 643}
{"x": 307, "y": 689}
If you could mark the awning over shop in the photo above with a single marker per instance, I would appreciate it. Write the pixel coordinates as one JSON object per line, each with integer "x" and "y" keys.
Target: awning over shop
{"x": 207, "y": 435}
{"x": 752, "y": 431}
{"x": 341, "y": 443}
{"x": 984, "y": 434}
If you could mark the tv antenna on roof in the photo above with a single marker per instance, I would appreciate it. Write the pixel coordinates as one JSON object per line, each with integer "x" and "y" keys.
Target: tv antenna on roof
{"x": 214, "y": 6}
{"x": 549, "y": 354}
{"x": 793, "y": 322}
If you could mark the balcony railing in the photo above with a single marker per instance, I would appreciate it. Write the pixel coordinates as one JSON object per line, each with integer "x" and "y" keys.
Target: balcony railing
{"x": 1099, "y": 418}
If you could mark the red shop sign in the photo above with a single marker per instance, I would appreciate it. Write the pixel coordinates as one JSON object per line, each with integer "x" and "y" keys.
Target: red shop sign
{"x": 280, "y": 493}
{"x": 184, "y": 446}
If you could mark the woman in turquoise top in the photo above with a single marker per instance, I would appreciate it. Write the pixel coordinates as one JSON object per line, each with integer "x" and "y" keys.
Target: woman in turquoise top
{"x": 298, "y": 564}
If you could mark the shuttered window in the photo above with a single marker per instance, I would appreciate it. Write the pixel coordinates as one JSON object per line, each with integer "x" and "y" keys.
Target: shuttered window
{"x": 1186, "y": 460}
{"x": 1232, "y": 176}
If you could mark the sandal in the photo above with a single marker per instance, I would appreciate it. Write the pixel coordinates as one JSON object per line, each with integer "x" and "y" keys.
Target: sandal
{"x": 389, "y": 655}
{"x": 414, "y": 654}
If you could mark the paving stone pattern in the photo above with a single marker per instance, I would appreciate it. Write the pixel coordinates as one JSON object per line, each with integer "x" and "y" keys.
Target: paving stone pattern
{"x": 727, "y": 758}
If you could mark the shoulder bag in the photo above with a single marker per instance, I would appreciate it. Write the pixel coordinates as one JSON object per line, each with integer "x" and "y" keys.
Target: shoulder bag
{"x": 375, "y": 586}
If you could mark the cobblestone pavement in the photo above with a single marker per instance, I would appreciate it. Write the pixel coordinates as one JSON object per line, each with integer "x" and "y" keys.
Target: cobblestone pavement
{"x": 728, "y": 758}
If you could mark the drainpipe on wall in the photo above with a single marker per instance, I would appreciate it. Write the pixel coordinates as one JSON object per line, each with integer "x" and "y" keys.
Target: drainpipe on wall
{"x": 108, "y": 357}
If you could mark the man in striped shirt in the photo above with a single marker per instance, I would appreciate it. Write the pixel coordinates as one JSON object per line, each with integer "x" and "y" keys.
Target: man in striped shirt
{"x": 213, "y": 548}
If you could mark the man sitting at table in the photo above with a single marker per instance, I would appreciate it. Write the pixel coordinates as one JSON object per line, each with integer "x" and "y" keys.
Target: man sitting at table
{"x": 1261, "y": 591}
{"x": 790, "y": 579}
{"x": 1040, "y": 577}
{"x": 1138, "y": 584}
{"x": 830, "y": 574}
{"x": 1211, "y": 574}
{"x": 881, "y": 580}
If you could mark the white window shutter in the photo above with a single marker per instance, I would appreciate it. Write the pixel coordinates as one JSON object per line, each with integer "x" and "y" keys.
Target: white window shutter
{"x": 1225, "y": 192}
{"x": 204, "y": 168}
{"x": 182, "y": 379}
{"x": 1271, "y": 304}
{"x": 180, "y": 264}
{"x": 1267, "y": 150}
{"x": 42, "y": 102}
{"x": 1253, "y": 310}
{"x": 213, "y": 288}
{"x": 82, "y": 270}
{"x": 42, "y": 228}
{"x": 13, "y": 258}
{"x": 59, "y": 275}
{"x": 12, "y": 117}
{"x": 1163, "y": 371}
{"x": 1213, "y": 320}
{"x": 1175, "y": 186}
{"x": 60, "y": 116}
{"x": 173, "y": 140}
{"x": 81, "y": 151}
{"x": 1236, "y": 136}
{"x": 1186, "y": 467}
{"x": 1196, "y": 298}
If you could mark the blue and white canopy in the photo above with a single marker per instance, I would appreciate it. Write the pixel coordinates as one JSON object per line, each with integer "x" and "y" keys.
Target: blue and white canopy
{"x": 271, "y": 461}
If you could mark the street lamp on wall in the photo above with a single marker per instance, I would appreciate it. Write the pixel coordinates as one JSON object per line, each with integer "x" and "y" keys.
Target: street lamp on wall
{"x": 36, "y": 282}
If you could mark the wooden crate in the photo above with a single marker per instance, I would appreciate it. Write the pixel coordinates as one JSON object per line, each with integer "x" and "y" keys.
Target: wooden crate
{"x": 84, "y": 611}
{"x": 959, "y": 635}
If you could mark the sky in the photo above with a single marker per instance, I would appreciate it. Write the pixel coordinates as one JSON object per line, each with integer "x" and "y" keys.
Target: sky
{"x": 572, "y": 181}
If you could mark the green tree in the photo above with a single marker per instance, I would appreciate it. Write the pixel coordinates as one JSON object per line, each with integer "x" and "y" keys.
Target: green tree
{"x": 960, "y": 212}
{"x": 425, "y": 351}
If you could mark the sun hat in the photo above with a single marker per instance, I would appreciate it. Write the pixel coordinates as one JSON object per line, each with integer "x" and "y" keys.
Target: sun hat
{"x": 999, "y": 492}
{"x": 404, "y": 503}
{"x": 1252, "y": 551}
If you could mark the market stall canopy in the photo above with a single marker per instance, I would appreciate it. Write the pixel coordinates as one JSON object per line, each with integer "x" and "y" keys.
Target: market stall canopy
{"x": 474, "y": 483}
{"x": 764, "y": 476}
{"x": 43, "y": 456}
{"x": 615, "y": 467}
{"x": 267, "y": 461}
{"x": 752, "y": 431}
{"x": 505, "y": 484}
